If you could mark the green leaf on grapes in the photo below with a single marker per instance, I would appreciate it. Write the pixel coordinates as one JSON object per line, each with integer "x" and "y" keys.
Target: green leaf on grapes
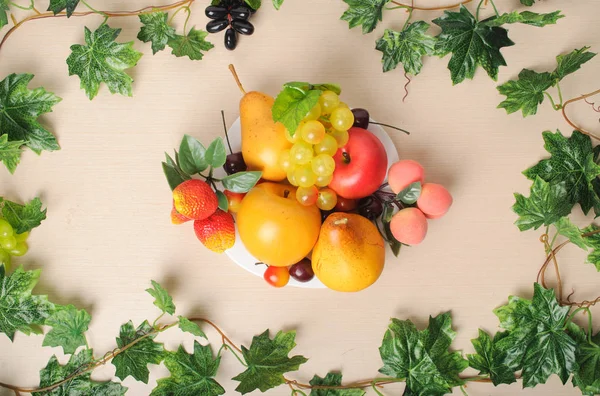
{"x": 23, "y": 218}
{"x": 57, "y": 6}
{"x": 156, "y": 30}
{"x": 471, "y": 44}
{"x": 489, "y": 360}
{"x": 546, "y": 204}
{"x": 19, "y": 110}
{"x": 571, "y": 162}
{"x": 410, "y": 194}
{"x": 241, "y": 182}
{"x": 332, "y": 379}
{"x": 103, "y": 60}
{"x": 254, "y": 4}
{"x": 526, "y": 17}
{"x": 304, "y": 86}
{"x": 292, "y": 105}
{"x": 406, "y": 47}
{"x": 536, "y": 342}
{"x": 191, "y": 374}
{"x": 422, "y": 358}
{"x": 190, "y": 327}
{"x": 192, "y": 156}
{"x": 593, "y": 242}
{"x": 267, "y": 361}
{"x": 134, "y": 360}
{"x": 223, "y": 201}
{"x": 10, "y": 153}
{"x": 162, "y": 299}
{"x": 54, "y": 372}
{"x": 571, "y": 62}
{"x": 68, "y": 328}
{"x": 526, "y": 93}
{"x": 190, "y": 45}
{"x": 565, "y": 228}
{"x": 365, "y": 13}
{"x": 528, "y": 3}
{"x": 19, "y": 309}
{"x": 277, "y": 4}
{"x": 3, "y": 10}
{"x": 216, "y": 154}
{"x": 587, "y": 375}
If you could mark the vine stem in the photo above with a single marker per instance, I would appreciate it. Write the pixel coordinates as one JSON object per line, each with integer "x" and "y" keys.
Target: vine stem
{"x": 571, "y": 123}
{"x": 430, "y": 8}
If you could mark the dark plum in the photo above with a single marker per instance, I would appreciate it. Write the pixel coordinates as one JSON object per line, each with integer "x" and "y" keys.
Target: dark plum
{"x": 242, "y": 27}
{"x": 230, "y": 39}
{"x": 216, "y": 25}
{"x": 215, "y": 12}
{"x": 240, "y": 13}
{"x": 370, "y": 207}
{"x": 302, "y": 271}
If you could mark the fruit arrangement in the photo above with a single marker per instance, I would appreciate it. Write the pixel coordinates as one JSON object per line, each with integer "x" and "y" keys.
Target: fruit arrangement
{"x": 321, "y": 207}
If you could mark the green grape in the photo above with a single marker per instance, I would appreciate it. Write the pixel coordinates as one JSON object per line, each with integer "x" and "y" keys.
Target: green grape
{"x": 6, "y": 229}
{"x": 296, "y": 137}
{"x": 5, "y": 259}
{"x": 323, "y": 181}
{"x": 328, "y": 100}
{"x": 307, "y": 195}
{"x": 314, "y": 113}
{"x": 323, "y": 165}
{"x": 284, "y": 160}
{"x": 301, "y": 153}
{"x": 342, "y": 119}
{"x": 312, "y": 132}
{"x": 344, "y": 105}
{"x": 304, "y": 176}
{"x": 327, "y": 146}
{"x": 340, "y": 136}
{"x": 8, "y": 243}
{"x": 20, "y": 249}
{"x": 327, "y": 199}
{"x": 22, "y": 237}
{"x": 291, "y": 176}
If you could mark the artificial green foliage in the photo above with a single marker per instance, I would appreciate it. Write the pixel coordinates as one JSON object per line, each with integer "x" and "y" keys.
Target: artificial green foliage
{"x": 406, "y": 47}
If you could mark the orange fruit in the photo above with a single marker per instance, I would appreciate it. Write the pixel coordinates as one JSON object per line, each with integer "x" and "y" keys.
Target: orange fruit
{"x": 216, "y": 232}
{"x": 176, "y": 217}
{"x": 195, "y": 199}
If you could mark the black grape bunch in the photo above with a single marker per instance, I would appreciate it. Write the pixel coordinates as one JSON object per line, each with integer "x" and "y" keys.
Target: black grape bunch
{"x": 231, "y": 15}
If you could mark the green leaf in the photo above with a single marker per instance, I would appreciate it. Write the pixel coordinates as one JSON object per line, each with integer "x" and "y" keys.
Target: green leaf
{"x": 191, "y": 374}
{"x": 267, "y": 361}
{"x": 304, "y": 86}
{"x": 162, "y": 299}
{"x": 19, "y": 309}
{"x": 277, "y": 4}
{"x": 528, "y": 3}
{"x": 471, "y": 43}
{"x": 80, "y": 385}
{"x": 587, "y": 375}
{"x": 406, "y": 47}
{"x": 489, "y": 360}
{"x": 134, "y": 360}
{"x": 103, "y": 60}
{"x": 3, "y": 10}
{"x": 254, "y": 4}
{"x": 174, "y": 177}
{"x": 23, "y": 218}
{"x": 190, "y": 327}
{"x": 190, "y": 45}
{"x": 223, "y": 201}
{"x": 565, "y": 228}
{"x": 526, "y": 93}
{"x": 156, "y": 30}
{"x": 68, "y": 328}
{"x": 241, "y": 182}
{"x": 593, "y": 241}
{"x": 332, "y": 379}
{"x": 19, "y": 110}
{"x": 389, "y": 237}
{"x": 192, "y": 156}
{"x": 526, "y": 17}
{"x": 536, "y": 341}
{"x": 546, "y": 204}
{"x": 410, "y": 194}
{"x": 571, "y": 62}
{"x": 216, "y": 154}
{"x": 292, "y": 105}
{"x": 10, "y": 153}
{"x": 364, "y": 12}
{"x": 572, "y": 162}
{"x": 57, "y": 6}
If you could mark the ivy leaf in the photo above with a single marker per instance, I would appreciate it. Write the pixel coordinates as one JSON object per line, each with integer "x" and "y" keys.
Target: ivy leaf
{"x": 191, "y": 375}
{"x": 292, "y": 105}
{"x": 192, "y": 155}
{"x": 3, "y": 10}
{"x": 103, "y": 60}
{"x": 526, "y": 17}
{"x": 254, "y": 4}
{"x": 241, "y": 182}
{"x": 526, "y": 93}
{"x": 277, "y": 4}
{"x": 546, "y": 204}
{"x": 572, "y": 162}
{"x": 537, "y": 342}
{"x": 410, "y": 194}
{"x": 471, "y": 43}
{"x": 80, "y": 385}
{"x": 10, "y": 153}
{"x": 190, "y": 45}
{"x": 364, "y": 12}
{"x": 332, "y": 379}
{"x": 19, "y": 110}
{"x": 19, "y": 309}
{"x": 190, "y": 327}
{"x": 134, "y": 361}
{"x": 156, "y": 30}
{"x": 267, "y": 361}
{"x": 57, "y": 6}
{"x": 406, "y": 47}
{"x": 587, "y": 375}
{"x": 593, "y": 241}
{"x": 565, "y": 228}
{"x": 162, "y": 299}
{"x": 68, "y": 328}
{"x": 571, "y": 62}
{"x": 216, "y": 155}
{"x": 23, "y": 218}
{"x": 528, "y": 3}
{"x": 489, "y": 360}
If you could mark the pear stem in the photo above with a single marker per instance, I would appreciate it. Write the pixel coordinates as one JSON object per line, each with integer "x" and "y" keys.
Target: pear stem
{"x": 237, "y": 78}
{"x": 341, "y": 221}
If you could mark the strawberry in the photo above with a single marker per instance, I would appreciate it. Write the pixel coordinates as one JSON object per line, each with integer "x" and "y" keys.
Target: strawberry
{"x": 178, "y": 218}
{"x": 217, "y": 232}
{"x": 195, "y": 199}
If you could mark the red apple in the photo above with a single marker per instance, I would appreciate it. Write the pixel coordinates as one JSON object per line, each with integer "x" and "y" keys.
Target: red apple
{"x": 360, "y": 166}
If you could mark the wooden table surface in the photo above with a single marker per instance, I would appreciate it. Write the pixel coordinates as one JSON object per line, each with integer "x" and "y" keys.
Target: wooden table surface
{"x": 108, "y": 231}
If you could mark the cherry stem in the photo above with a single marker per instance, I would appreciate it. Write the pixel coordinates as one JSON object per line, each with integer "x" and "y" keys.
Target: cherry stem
{"x": 226, "y": 134}
{"x": 390, "y": 126}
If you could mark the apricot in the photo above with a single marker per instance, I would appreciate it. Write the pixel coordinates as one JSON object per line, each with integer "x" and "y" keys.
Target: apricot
{"x": 409, "y": 226}
{"x": 434, "y": 201}
{"x": 403, "y": 173}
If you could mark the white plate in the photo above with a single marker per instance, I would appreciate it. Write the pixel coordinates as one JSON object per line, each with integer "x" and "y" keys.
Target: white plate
{"x": 238, "y": 252}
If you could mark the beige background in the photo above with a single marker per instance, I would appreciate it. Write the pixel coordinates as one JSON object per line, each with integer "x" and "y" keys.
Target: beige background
{"x": 108, "y": 230}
